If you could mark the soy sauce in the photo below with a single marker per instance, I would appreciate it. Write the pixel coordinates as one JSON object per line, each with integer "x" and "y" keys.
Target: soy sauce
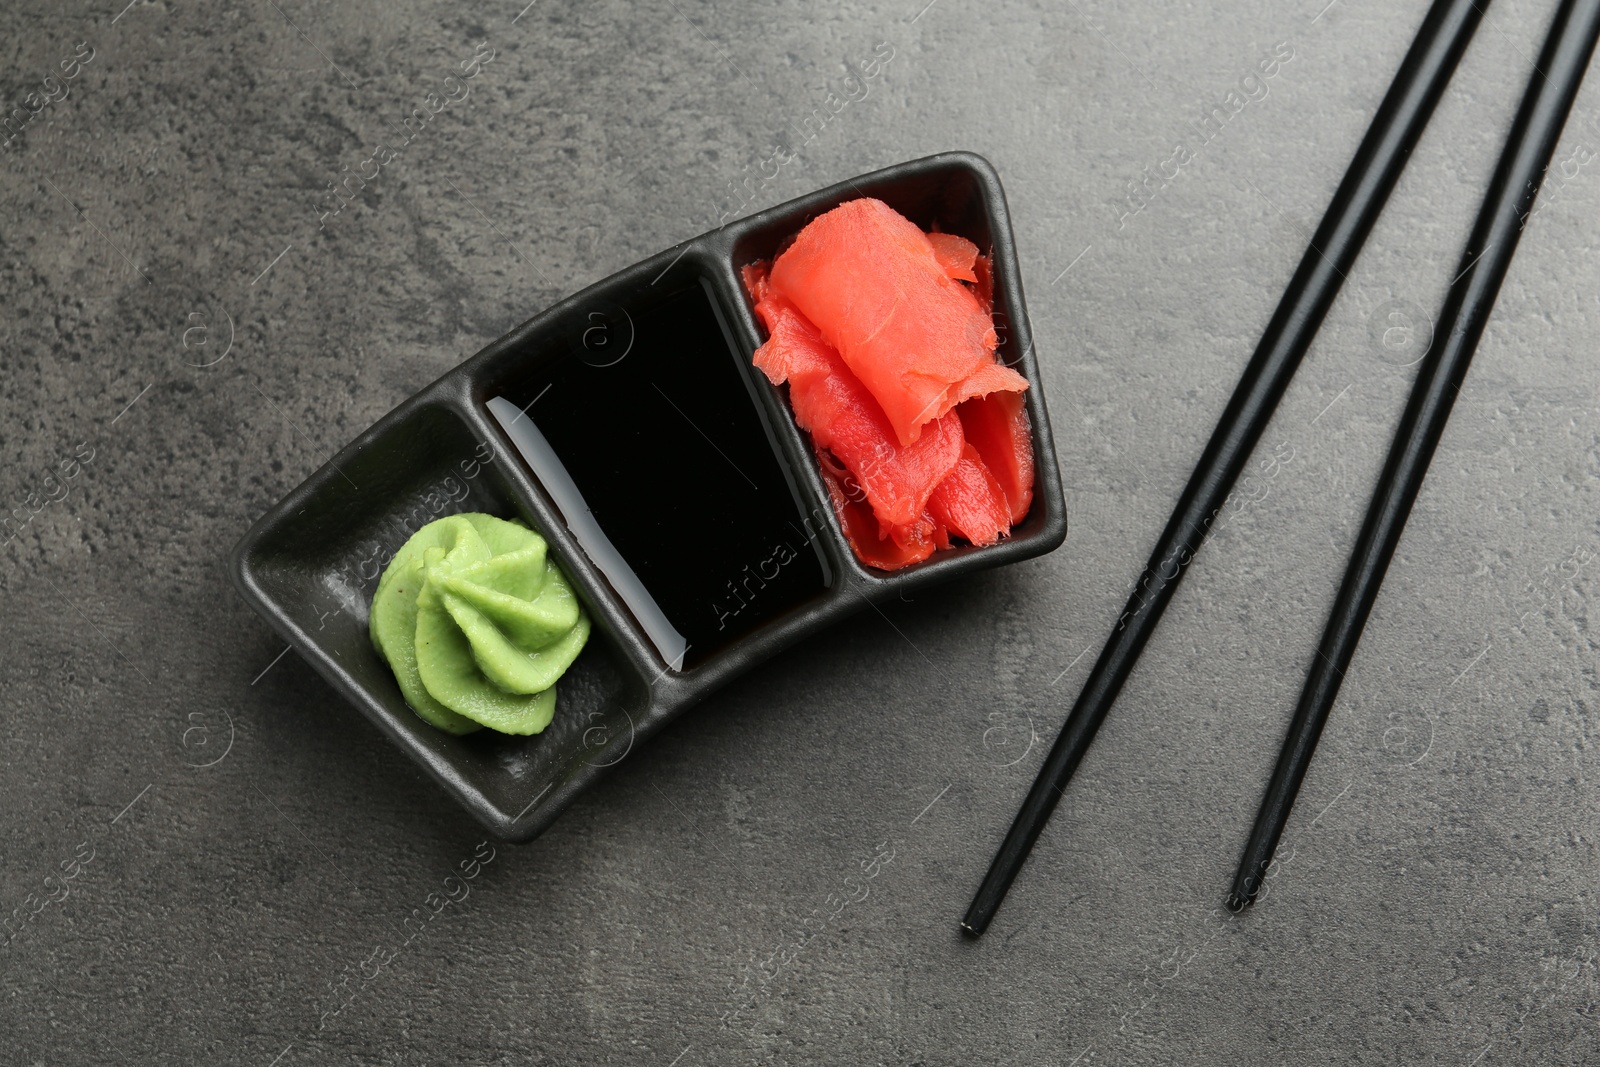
{"x": 658, "y": 427}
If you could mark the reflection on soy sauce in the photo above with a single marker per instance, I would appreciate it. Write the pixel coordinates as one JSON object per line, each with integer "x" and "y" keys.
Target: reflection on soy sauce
{"x": 656, "y": 423}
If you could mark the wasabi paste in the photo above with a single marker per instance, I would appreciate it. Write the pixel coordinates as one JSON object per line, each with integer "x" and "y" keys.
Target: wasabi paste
{"x": 478, "y": 623}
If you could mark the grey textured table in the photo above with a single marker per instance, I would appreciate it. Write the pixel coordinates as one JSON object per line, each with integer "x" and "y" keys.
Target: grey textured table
{"x": 245, "y": 848}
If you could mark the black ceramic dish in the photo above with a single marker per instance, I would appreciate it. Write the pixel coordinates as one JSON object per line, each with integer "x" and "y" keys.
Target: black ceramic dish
{"x": 310, "y": 565}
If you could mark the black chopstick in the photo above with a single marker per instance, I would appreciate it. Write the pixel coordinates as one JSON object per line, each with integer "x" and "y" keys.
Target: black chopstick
{"x": 1556, "y": 77}
{"x": 1360, "y": 197}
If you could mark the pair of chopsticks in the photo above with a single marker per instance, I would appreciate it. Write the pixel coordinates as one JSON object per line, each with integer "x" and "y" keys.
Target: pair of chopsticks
{"x": 1427, "y": 68}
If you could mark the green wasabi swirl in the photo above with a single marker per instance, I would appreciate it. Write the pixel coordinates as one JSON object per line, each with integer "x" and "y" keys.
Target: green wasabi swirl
{"x": 477, "y": 623}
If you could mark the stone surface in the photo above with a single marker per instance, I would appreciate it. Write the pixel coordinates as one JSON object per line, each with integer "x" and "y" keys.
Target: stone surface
{"x": 1436, "y": 899}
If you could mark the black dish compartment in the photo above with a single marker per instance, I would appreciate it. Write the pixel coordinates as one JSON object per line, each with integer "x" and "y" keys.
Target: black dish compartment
{"x": 319, "y": 565}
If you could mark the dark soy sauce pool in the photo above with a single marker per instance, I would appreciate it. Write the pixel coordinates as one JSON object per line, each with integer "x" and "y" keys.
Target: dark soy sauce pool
{"x": 656, "y": 424}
